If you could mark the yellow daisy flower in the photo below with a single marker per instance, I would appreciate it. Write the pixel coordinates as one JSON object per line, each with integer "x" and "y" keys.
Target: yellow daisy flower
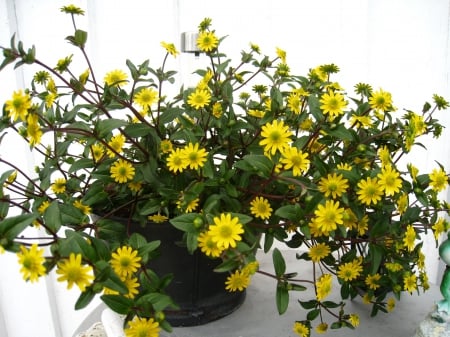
{"x": 122, "y": 171}
{"x": 226, "y": 231}
{"x": 276, "y": 137}
{"x": 260, "y": 207}
{"x": 237, "y": 281}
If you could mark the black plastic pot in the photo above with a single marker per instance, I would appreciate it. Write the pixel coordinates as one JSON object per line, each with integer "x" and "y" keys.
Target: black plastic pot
{"x": 196, "y": 288}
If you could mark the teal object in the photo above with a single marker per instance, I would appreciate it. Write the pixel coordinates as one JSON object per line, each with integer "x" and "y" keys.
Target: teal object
{"x": 444, "y": 252}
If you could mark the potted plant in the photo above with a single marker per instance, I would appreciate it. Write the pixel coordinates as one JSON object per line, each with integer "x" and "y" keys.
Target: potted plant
{"x": 250, "y": 156}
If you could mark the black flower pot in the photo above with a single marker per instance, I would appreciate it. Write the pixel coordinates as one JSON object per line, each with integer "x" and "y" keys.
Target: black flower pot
{"x": 198, "y": 290}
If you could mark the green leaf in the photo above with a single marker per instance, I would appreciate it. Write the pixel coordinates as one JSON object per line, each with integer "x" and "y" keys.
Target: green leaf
{"x": 330, "y": 304}
{"x": 308, "y": 304}
{"x": 342, "y": 133}
{"x": 137, "y": 130}
{"x": 297, "y": 287}
{"x": 278, "y": 262}
{"x": 312, "y": 315}
{"x": 85, "y": 298}
{"x": 80, "y": 37}
{"x": 256, "y": 163}
{"x": 268, "y": 242}
{"x": 336, "y": 325}
{"x": 191, "y": 242}
{"x": 282, "y": 298}
{"x": 185, "y": 222}
{"x": 290, "y": 212}
{"x": 106, "y": 275}
{"x": 376, "y": 253}
{"x": 76, "y": 242}
{"x": 52, "y": 216}
{"x": 105, "y": 126}
{"x": 226, "y": 266}
{"x": 80, "y": 164}
{"x": 159, "y": 301}
{"x": 13, "y": 226}
{"x": 118, "y": 303}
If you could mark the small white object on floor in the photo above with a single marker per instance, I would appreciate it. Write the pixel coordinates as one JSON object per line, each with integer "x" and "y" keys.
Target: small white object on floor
{"x": 436, "y": 324}
{"x": 96, "y": 330}
{"x": 113, "y": 323}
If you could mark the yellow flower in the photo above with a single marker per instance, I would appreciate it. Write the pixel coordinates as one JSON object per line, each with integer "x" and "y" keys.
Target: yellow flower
{"x": 72, "y": 9}
{"x": 296, "y": 160}
{"x": 193, "y": 156}
{"x": 333, "y": 185}
{"x": 319, "y": 251}
{"x": 226, "y": 231}
{"x": 132, "y": 285}
{"x": 323, "y": 286}
{"x": 402, "y": 203}
{"x": 281, "y": 54}
{"x": 122, "y": 171}
{"x": 354, "y": 320}
{"x": 116, "y": 77}
{"x": 294, "y": 102}
{"x": 333, "y": 104}
{"x": 18, "y": 106}
{"x": 256, "y": 113}
{"x": 34, "y": 132}
{"x": 367, "y": 298}
{"x": 199, "y": 98}
{"x": 276, "y": 136}
{"x": 344, "y": 167}
{"x": 439, "y": 227}
{"x": 301, "y": 329}
{"x": 170, "y": 48}
{"x": 166, "y": 146}
{"x": 125, "y": 261}
{"x": 361, "y": 121}
{"x": 135, "y": 186}
{"x": 115, "y": 145}
{"x": 410, "y": 282}
{"x": 41, "y": 209}
{"x": 72, "y": 271}
{"x": 350, "y": 271}
{"x": 82, "y": 207}
{"x": 97, "y": 151}
{"x": 322, "y": 328}
{"x": 410, "y": 238}
{"x": 142, "y": 327}
{"x": 372, "y": 281}
{"x": 59, "y": 185}
{"x": 177, "y": 161}
{"x": 369, "y": 191}
{"x": 146, "y": 97}
{"x": 158, "y": 218}
{"x": 438, "y": 180}
{"x": 32, "y": 262}
{"x": 217, "y": 110}
{"x": 207, "y": 41}
{"x": 389, "y": 180}
{"x": 208, "y": 246}
{"x": 393, "y": 266}
{"x": 390, "y": 305}
{"x": 251, "y": 268}
{"x": 260, "y": 207}
{"x": 381, "y": 100}
{"x": 237, "y": 281}
{"x": 328, "y": 216}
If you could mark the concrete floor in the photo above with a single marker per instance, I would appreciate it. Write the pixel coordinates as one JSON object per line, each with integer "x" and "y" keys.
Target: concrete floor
{"x": 258, "y": 316}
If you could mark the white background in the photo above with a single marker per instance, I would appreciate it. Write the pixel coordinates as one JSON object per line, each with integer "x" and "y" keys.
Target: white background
{"x": 401, "y": 46}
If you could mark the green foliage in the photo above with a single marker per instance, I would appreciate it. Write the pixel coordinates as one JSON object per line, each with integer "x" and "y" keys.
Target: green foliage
{"x": 268, "y": 156}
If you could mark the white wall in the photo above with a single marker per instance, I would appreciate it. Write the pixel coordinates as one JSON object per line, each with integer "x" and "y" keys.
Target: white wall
{"x": 399, "y": 45}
